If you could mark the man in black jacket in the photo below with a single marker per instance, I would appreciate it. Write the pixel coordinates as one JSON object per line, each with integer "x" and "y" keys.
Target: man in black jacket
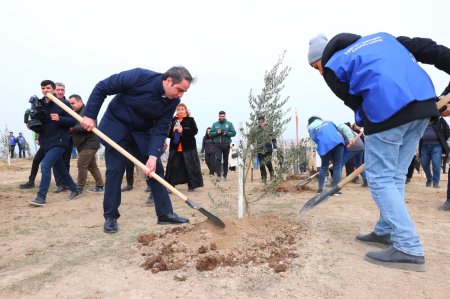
{"x": 394, "y": 104}
{"x": 87, "y": 146}
{"x": 54, "y": 140}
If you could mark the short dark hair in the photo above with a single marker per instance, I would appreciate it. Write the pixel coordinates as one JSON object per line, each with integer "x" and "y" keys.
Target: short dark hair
{"x": 48, "y": 82}
{"x": 77, "y": 97}
{"x": 222, "y": 112}
{"x": 178, "y": 73}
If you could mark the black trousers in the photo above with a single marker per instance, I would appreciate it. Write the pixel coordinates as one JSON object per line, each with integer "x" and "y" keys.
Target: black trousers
{"x": 115, "y": 168}
{"x": 35, "y": 166}
{"x": 265, "y": 160}
{"x": 221, "y": 151}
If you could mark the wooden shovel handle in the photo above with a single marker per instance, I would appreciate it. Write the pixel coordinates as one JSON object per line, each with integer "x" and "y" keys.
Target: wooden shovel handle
{"x": 117, "y": 147}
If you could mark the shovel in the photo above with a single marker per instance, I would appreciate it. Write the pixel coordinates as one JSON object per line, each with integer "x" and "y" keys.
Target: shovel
{"x": 319, "y": 198}
{"x": 214, "y": 219}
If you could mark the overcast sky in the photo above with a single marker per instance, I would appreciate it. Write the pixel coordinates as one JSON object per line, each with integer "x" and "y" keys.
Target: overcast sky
{"x": 227, "y": 45}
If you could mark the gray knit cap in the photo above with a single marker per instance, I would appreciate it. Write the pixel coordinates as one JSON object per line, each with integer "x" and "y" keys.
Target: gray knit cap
{"x": 316, "y": 46}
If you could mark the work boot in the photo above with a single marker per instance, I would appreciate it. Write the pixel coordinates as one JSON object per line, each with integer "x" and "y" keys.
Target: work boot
{"x": 374, "y": 238}
{"x": 74, "y": 194}
{"x": 60, "y": 189}
{"x": 393, "y": 258}
{"x": 27, "y": 185}
{"x": 110, "y": 226}
{"x": 445, "y": 206}
{"x": 38, "y": 202}
{"x": 127, "y": 188}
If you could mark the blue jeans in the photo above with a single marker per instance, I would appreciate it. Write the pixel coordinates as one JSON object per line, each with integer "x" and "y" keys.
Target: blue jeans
{"x": 387, "y": 157}
{"x": 53, "y": 159}
{"x": 334, "y": 154}
{"x": 358, "y": 155}
{"x": 433, "y": 153}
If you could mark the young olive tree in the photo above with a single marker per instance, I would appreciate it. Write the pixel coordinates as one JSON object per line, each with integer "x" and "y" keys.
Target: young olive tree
{"x": 269, "y": 105}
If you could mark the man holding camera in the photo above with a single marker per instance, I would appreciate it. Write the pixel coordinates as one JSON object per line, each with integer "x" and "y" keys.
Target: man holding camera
{"x": 52, "y": 124}
{"x": 221, "y": 132}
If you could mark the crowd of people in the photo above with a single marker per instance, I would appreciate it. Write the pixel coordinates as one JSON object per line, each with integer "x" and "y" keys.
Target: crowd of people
{"x": 395, "y": 108}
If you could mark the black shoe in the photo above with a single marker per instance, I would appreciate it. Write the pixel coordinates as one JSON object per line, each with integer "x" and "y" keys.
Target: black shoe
{"x": 38, "y": 202}
{"x": 97, "y": 189}
{"x": 27, "y": 185}
{"x": 190, "y": 190}
{"x": 148, "y": 189}
{"x": 60, "y": 189}
{"x": 393, "y": 258}
{"x": 445, "y": 206}
{"x": 364, "y": 183}
{"x": 110, "y": 226}
{"x": 75, "y": 194}
{"x": 428, "y": 184}
{"x": 150, "y": 200}
{"x": 172, "y": 218}
{"x": 408, "y": 180}
{"x": 436, "y": 185}
{"x": 374, "y": 238}
{"x": 319, "y": 191}
{"x": 127, "y": 188}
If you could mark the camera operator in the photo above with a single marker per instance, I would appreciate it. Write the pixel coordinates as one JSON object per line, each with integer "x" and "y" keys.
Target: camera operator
{"x": 54, "y": 140}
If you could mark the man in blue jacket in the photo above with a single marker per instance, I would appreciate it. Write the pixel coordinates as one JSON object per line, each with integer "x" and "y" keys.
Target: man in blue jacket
{"x": 379, "y": 78}
{"x": 138, "y": 119}
{"x": 54, "y": 140}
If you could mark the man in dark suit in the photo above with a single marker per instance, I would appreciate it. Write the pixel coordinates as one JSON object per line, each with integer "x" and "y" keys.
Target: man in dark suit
{"x": 138, "y": 119}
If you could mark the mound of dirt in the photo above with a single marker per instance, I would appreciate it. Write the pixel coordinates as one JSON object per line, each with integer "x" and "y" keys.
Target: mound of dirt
{"x": 246, "y": 242}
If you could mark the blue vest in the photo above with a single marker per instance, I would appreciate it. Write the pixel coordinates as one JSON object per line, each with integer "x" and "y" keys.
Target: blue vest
{"x": 384, "y": 73}
{"x": 326, "y": 136}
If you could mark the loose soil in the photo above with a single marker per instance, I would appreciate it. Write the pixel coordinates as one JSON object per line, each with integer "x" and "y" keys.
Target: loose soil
{"x": 60, "y": 250}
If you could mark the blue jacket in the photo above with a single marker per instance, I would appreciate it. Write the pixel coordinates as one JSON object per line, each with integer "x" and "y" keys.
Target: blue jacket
{"x": 423, "y": 49}
{"x": 325, "y": 135}
{"x": 367, "y": 67}
{"x": 20, "y": 140}
{"x": 55, "y": 133}
{"x": 139, "y": 108}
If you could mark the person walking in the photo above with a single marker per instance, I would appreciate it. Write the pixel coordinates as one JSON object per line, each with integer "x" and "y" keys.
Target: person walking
{"x": 222, "y": 131}
{"x": 393, "y": 98}
{"x": 431, "y": 147}
{"x": 54, "y": 140}
{"x": 233, "y": 157}
{"x": 208, "y": 150}
{"x": 87, "y": 146}
{"x": 183, "y": 165}
{"x": 137, "y": 118}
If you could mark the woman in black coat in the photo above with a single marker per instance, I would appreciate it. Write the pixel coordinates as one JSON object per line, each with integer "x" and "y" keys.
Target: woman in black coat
{"x": 208, "y": 149}
{"x": 183, "y": 165}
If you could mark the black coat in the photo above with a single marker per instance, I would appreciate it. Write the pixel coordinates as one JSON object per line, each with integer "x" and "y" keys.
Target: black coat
{"x": 442, "y": 130}
{"x": 189, "y": 153}
{"x": 84, "y": 139}
{"x": 207, "y": 145}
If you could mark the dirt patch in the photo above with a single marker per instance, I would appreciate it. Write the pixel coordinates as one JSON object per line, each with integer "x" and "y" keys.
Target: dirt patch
{"x": 248, "y": 242}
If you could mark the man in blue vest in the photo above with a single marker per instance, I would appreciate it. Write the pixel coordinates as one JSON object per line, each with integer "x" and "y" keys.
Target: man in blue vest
{"x": 21, "y": 143}
{"x": 138, "y": 119}
{"x": 378, "y": 77}
{"x": 329, "y": 144}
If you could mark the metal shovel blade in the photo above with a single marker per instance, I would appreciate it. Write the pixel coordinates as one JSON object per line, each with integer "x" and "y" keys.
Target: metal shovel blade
{"x": 319, "y": 198}
{"x": 214, "y": 219}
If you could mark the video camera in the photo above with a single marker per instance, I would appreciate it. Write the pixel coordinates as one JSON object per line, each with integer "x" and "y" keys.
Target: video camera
{"x": 35, "y": 114}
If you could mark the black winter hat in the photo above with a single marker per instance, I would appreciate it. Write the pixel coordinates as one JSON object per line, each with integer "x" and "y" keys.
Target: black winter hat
{"x": 313, "y": 118}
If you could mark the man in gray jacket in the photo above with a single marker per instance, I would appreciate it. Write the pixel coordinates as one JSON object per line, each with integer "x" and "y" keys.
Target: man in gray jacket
{"x": 87, "y": 146}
